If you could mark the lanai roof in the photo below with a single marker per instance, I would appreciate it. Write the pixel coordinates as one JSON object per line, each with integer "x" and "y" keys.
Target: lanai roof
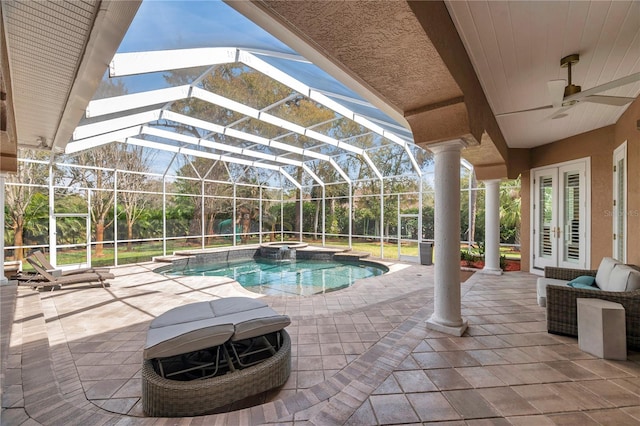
{"x": 188, "y": 38}
{"x": 54, "y": 55}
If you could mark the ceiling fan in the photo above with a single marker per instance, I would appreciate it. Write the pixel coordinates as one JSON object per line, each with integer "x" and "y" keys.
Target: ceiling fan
{"x": 565, "y": 97}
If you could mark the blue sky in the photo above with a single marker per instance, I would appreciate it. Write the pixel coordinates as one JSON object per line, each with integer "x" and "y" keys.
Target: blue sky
{"x": 179, "y": 24}
{"x": 184, "y": 24}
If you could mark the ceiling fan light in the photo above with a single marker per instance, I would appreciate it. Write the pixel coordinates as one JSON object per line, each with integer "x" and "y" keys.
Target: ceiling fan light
{"x": 571, "y": 89}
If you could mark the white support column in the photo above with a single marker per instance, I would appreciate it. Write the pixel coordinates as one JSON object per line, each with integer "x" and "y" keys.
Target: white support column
{"x": 492, "y": 227}
{"x": 447, "y": 316}
{"x": 3, "y": 279}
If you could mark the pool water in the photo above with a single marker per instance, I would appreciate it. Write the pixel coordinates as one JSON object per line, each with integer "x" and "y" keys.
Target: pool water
{"x": 288, "y": 278}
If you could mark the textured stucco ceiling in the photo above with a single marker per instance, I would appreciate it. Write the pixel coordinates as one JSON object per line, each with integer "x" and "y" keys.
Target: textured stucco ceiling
{"x": 406, "y": 56}
{"x": 380, "y": 41}
{"x": 444, "y": 68}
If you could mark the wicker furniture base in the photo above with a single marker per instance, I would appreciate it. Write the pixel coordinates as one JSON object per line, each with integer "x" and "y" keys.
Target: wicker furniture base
{"x": 562, "y": 310}
{"x": 171, "y": 398}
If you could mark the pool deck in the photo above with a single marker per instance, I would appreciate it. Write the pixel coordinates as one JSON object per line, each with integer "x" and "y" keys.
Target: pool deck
{"x": 360, "y": 356}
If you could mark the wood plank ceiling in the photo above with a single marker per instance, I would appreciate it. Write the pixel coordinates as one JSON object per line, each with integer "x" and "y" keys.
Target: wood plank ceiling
{"x": 516, "y": 47}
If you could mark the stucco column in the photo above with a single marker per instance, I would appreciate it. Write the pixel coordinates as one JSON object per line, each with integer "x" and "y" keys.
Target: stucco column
{"x": 446, "y": 317}
{"x": 492, "y": 227}
{"x": 3, "y": 279}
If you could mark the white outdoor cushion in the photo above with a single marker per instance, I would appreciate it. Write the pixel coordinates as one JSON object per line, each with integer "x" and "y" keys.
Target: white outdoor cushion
{"x": 186, "y": 337}
{"x": 624, "y": 278}
{"x": 251, "y": 317}
{"x": 233, "y": 305}
{"x": 202, "y": 325}
{"x": 541, "y": 286}
{"x": 185, "y": 313}
{"x": 258, "y": 322}
{"x": 604, "y": 273}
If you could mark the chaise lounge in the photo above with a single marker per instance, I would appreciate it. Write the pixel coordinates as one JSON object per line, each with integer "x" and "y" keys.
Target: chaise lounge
{"x": 45, "y": 278}
{"x": 39, "y": 257}
{"x": 205, "y": 355}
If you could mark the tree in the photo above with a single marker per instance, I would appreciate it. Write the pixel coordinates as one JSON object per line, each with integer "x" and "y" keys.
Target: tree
{"x": 237, "y": 82}
{"x": 22, "y": 207}
{"x": 217, "y": 195}
{"x": 100, "y": 178}
{"x": 470, "y": 229}
{"x": 245, "y": 215}
{"x": 510, "y": 204}
{"x": 252, "y": 88}
{"x": 130, "y": 185}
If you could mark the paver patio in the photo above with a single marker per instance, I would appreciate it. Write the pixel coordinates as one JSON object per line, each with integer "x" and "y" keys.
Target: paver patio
{"x": 360, "y": 356}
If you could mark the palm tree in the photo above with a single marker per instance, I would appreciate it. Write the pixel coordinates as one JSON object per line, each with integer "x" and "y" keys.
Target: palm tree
{"x": 510, "y": 203}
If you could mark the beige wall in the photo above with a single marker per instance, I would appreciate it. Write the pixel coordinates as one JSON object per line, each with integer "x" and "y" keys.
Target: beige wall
{"x": 599, "y": 146}
{"x": 627, "y": 129}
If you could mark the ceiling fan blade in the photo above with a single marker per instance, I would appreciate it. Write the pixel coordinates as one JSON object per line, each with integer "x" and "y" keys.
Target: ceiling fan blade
{"x": 524, "y": 110}
{"x": 561, "y": 113}
{"x": 608, "y": 100}
{"x": 632, "y": 78}
{"x": 556, "y": 91}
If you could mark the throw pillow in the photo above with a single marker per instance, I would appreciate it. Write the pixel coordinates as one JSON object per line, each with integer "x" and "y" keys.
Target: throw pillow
{"x": 604, "y": 271}
{"x": 582, "y": 286}
{"x": 584, "y": 279}
{"x": 625, "y": 278}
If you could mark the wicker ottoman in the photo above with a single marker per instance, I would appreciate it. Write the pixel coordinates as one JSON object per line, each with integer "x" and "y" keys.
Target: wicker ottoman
{"x": 171, "y": 398}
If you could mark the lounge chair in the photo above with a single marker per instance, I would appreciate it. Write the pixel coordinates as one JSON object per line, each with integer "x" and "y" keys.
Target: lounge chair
{"x": 240, "y": 325}
{"x": 44, "y": 278}
{"x": 247, "y": 352}
{"x": 39, "y": 257}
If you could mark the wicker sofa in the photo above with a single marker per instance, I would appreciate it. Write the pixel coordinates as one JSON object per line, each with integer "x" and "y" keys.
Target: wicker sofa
{"x": 562, "y": 306}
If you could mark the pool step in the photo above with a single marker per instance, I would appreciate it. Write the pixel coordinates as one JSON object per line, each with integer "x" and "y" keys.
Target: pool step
{"x": 351, "y": 255}
{"x": 166, "y": 259}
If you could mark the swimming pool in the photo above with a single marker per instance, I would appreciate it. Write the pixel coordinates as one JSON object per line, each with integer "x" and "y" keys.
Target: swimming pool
{"x": 287, "y": 278}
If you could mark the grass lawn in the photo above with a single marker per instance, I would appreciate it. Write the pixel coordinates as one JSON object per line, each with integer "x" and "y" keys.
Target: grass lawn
{"x": 144, "y": 252}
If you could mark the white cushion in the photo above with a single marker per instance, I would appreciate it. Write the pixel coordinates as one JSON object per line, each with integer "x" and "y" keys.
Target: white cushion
{"x": 604, "y": 272}
{"x": 250, "y": 317}
{"x": 541, "y": 286}
{"x": 201, "y": 325}
{"x": 184, "y": 314}
{"x": 634, "y": 280}
{"x": 257, "y": 322}
{"x": 186, "y": 337}
{"x": 624, "y": 278}
{"x": 233, "y": 305}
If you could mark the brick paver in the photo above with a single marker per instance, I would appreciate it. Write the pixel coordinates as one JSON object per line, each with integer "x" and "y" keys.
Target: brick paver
{"x": 360, "y": 356}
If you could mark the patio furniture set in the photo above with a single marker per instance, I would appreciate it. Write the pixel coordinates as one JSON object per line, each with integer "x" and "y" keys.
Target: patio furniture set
{"x": 561, "y": 289}
{"x": 203, "y": 356}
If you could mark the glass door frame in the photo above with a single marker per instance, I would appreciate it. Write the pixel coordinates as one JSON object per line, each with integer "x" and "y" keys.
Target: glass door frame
{"x": 582, "y": 165}
{"x": 538, "y": 260}
{"x": 618, "y": 212}
{"x": 565, "y": 233}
